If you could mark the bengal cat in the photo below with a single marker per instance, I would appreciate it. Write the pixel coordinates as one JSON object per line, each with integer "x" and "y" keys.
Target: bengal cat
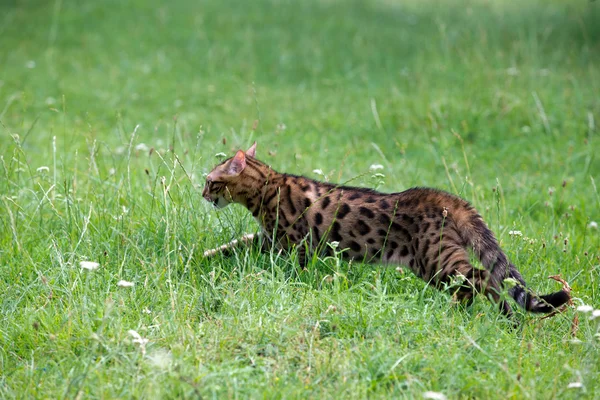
{"x": 428, "y": 230}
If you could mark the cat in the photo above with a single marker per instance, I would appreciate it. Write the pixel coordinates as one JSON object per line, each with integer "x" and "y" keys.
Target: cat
{"x": 428, "y": 230}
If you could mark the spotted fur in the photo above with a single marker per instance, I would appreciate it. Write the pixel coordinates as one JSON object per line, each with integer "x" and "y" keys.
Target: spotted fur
{"x": 428, "y": 230}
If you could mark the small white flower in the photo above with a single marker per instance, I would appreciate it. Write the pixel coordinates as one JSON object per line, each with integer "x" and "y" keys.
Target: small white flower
{"x": 146, "y": 311}
{"x": 434, "y": 396}
{"x": 595, "y": 314}
{"x": 593, "y": 225}
{"x": 43, "y": 169}
{"x": 515, "y": 233}
{"x": 375, "y": 167}
{"x": 585, "y": 308}
{"x": 30, "y": 64}
{"x": 112, "y": 171}
{"x": 219, "y": 155}
{"x": 142, "y": 147}
{"x": 137, "y": 338}
{"x": 89, "y": 265}
{"x": 123, "y": 283}
{"x": 575, "y": 385}
{"x": 161, "y": 359}
{"x": 281, "y": 126}
{"x": 334, "y": 245}
{"x": 378, "y": 175}
{"x": 551, "y": 190}
{"x": 318, "y": 171}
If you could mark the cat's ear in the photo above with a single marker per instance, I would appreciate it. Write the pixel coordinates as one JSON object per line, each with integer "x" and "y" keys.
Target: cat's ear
{"x": 251, "y": 152}
{"x": 237, "y": 163}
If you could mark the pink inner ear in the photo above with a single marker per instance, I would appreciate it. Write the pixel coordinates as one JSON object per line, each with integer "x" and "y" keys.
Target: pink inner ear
{"x": 238, "y": 163}
{"x": 251, "y": 152}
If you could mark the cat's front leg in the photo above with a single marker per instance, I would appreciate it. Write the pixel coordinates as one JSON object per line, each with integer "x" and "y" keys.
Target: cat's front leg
{"x": 247, "y": 240}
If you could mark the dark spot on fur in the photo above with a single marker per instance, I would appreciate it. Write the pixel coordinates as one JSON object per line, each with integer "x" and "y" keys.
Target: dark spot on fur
{"x": 404, "y": 251}
{"x": 393, "y": 245}
{"x": 318, "y": 218}
{"x": 343, "y": 211}
{"x": 307, "y": 202}
{"x": 370, "y": 200}
{"x": 382, "y": 232}
{"x": 325, "y": 202}
{"x": 355, "y": 195}
{"x": 389, "y": 254}
{"x": 355, "y": 246}
{"x": 370, "y": 240}
{"x": 384, "y": 204}
{"x": 384, "y": 219}
{"x": 366, "y": 212}
{"x": 407, "y": 219}
{"x": 362, "y": 228}
{"x": 335, "y": 232}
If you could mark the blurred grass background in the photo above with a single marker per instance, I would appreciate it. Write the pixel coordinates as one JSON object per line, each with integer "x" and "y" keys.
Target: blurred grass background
{"x": 494, "y": 100}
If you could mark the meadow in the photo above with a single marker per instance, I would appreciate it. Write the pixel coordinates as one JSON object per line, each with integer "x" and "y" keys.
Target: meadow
{"x": 113, "y": 112}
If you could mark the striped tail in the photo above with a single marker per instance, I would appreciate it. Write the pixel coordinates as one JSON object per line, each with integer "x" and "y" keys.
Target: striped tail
{"x": 486, "y": 247}
{"x": 537, "y": 304}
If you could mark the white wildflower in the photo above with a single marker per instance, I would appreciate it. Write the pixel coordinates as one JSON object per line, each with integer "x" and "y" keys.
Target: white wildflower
{"x": 146, "y": 311}
{"x": 219, "y": 155}
{"x": 434, "y": 395}
{"x": 585, "y": 308}
{"x": 142, "y": 147}
{"x": 378, "y": 175}
{"x": 515, "y": 233}
{"x": 593, "y": 225}
{"x": 574, "y": 385}
{"x": 137, "y": 338}
{"x": 595, "y": 314}
{"x": 375, "y": 167}
{"x": 318, "y": 172}
{"x": 281, "y": 127}
{"x": 334, "y": 245}
{"x": 112, "y": 171}
{"x": 89, "y": 265}
{"x": 43, "y": 169}
{"x": 551, "y": 190}
{"x": 123, "y": 283}
{"x": 161, "y": 359}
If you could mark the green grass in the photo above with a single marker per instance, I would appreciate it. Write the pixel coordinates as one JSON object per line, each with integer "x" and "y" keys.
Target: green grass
{"x": 495, "y": 101}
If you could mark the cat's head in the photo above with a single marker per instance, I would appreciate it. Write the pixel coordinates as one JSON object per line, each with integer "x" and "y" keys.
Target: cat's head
{"x": 222, "y": 181}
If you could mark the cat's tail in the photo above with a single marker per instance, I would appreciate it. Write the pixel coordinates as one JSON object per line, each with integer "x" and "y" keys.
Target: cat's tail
{"x": 487, "y": 249}
{"x": 530, "y": 302}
